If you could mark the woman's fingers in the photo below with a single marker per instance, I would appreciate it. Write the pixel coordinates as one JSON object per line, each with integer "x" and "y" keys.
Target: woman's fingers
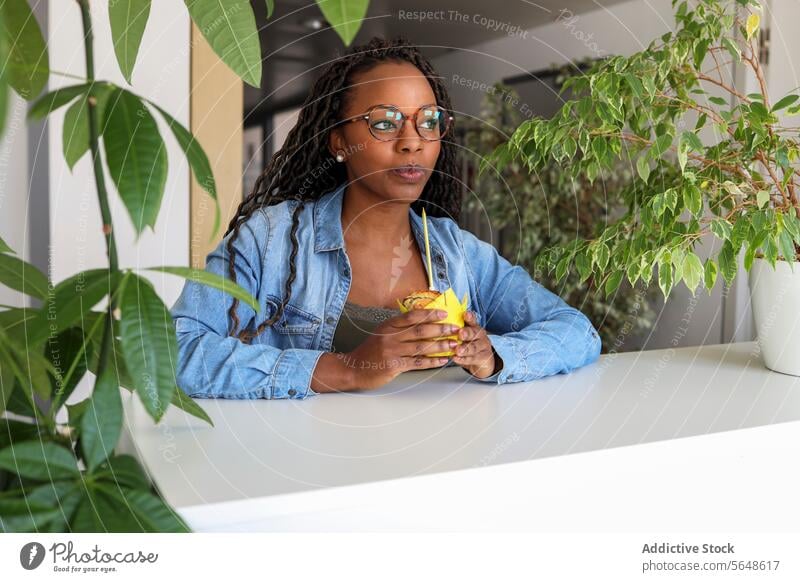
{"x": 422, "y": 362}
{"x": 430, "y": 347}
{"x": 479, "y": 358}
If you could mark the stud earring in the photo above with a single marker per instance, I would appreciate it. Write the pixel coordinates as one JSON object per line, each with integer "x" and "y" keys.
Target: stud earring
{"x": 339, "y": 157}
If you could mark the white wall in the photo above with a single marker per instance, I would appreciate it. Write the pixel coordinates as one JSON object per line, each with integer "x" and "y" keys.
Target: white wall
{"x": 14, "y": 191}
{"x": 162, "y": 75}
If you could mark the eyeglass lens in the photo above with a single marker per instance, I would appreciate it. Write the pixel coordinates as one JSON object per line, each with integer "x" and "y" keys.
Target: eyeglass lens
{"x": 385, "y": 122}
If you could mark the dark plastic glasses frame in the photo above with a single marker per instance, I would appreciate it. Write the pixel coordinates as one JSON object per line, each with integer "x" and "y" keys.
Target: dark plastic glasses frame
{"x": 404, "y": 118}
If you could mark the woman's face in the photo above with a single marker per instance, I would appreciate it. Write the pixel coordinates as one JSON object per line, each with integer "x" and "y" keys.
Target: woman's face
{"x": 370, "y": 161}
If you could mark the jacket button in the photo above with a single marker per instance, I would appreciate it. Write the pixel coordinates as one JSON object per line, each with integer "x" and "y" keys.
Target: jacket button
{"x": 329, "y": 319}
{"x": 292, "y": 392}
{"x": 441, "y": 274}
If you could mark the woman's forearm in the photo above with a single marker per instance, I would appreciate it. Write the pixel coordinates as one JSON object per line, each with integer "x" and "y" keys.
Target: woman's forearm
{"x": 332, "y": 374}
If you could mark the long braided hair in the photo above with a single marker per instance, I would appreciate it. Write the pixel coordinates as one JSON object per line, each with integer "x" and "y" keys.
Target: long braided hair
{"x": 306, "y": 148}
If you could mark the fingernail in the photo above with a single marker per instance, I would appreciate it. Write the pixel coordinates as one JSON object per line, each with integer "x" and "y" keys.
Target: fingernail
{"x": 441, "y": 313}
{"x": 452, "y": 343}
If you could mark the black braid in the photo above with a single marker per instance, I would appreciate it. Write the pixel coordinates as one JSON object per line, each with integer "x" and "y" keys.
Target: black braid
{"x": 306, "y": 148}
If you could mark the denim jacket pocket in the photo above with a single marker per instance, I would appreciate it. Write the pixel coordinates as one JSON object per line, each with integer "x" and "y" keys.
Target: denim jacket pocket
{"x": 298, "y": 325}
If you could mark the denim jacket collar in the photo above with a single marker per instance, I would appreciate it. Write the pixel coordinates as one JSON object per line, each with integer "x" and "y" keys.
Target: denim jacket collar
{"x": 328, "y": 235}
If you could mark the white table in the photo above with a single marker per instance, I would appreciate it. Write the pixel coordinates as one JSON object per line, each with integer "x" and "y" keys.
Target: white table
{"x": 436, "y": 450}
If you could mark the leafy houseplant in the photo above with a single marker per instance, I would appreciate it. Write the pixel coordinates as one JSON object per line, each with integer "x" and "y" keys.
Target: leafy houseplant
{"x": 546, "y": 208}
{"x": 648, "y": 110}
{"x": 57, "y": 476}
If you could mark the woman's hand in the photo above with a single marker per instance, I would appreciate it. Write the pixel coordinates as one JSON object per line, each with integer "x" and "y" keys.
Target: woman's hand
{"x": 399, "y": 344}
{"x": 476, "y": 354}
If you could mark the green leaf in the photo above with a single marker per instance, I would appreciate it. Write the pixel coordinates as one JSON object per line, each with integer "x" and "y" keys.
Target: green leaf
{"x": 721, "y": 228}
{"x": 601, "y": 254}
{"x": 21, "y": 276}
{"x": 109, "y": 508}
{"x": 152, "y": 514}
{"x": 718, "y": 101}
{"x": 189, "y": 406}
{"x": 599, "y": 148}
{"x": 16, "y": 431}
{"x": 7, "y": 381}
{"x": 18, "y": 515}
{"x": 101, "y": 423}
{"x": 691, "y": 139}
{"x": 99, "y": 511}
{"x": 661, "y": 145}
{"x": 692, "y": 271}
{"x": 66, "y": 348}
{"x": 149, "y": 345}
{"x": 643, "y": 168}
{"x": 128, "y": 21}
{"x": 230, "y": 29}
{"x": 570, "y": 147}
{"x": 75, "y": 132}
{"x": 136, "y": 157}
{"x": 3, "y": 83}
{"x": 665, "y": 277}
{"x": 345, "y": 16}
{"x": 4, "y": 248}
{"x": 270, "y": 8}
{"x": 198, "y": 162}
{"x": 727, "y": 263}
{"x": 27, "y": 63}
{"x": 762, "y": 198}
{"x": 123, "y": 471}
{"x": 683, "y": 154}
{"x": 74, "y": 297}
{"x": 48, "y": 103}
{"x": 76, "y": 411}
{"x": 731, "y": 47}
{"x": 692, "y": 199}
{"x": 212, "y": 280}
{"x": 787, "y": 247}
{"x": 63, "y": 496}
{"x": 710, "y": 274}
{"x": 785, "y": 102}
{"x": 42, "y": 460}
{"x": 613, "y": 281}
{"x": 701, "y": 121}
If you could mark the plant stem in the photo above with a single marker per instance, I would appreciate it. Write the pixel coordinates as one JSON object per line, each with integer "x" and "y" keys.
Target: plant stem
{"x": 102, "y": 194}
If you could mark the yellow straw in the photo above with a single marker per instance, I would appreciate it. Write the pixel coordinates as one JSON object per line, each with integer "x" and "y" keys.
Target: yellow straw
{"x": 427, "y": 249}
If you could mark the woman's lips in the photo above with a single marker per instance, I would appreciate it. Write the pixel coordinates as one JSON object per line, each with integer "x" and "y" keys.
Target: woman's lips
{"x": 409, "y": 174}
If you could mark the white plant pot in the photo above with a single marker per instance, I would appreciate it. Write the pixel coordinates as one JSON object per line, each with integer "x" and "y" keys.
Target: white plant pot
{"x": 775, "y": 297}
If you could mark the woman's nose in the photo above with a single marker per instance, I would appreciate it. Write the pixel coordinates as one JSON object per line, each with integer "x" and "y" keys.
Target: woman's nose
{"x": 409, "y": 138}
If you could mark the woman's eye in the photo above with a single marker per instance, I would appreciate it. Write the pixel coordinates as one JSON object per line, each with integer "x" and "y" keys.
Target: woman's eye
{"x": 384, "y": 126}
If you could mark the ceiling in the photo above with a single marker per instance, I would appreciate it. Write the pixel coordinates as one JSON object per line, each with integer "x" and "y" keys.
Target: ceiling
{"x": 293, "y": 50}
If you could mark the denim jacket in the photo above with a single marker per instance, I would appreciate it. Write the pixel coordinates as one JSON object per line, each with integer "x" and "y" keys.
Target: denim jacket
{"x": 534, "y": 332}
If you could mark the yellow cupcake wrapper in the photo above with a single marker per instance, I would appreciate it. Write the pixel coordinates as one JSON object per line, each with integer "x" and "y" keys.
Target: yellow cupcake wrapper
{"x": 447, "y": 301}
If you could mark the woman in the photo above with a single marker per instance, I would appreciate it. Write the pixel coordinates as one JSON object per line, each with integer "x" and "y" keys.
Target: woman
{"x": 331, "y": 237}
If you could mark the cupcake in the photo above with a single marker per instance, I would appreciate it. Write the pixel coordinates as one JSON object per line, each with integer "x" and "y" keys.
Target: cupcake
{"x": 447, "y": 301}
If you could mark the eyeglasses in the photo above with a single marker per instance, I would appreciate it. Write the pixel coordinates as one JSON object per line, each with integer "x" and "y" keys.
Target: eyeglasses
{"x": 386, "y": 122}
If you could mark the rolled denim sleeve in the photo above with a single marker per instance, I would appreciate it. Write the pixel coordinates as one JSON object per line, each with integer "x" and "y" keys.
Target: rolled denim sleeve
{"x": 213, "y": 364}
{"x": 535, "y": 333}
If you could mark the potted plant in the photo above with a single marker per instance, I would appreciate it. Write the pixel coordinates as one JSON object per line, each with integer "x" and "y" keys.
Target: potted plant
{"x": 534, "y": 211}
{"x": 738, "y": 185}
{"x": 64, "y": 476}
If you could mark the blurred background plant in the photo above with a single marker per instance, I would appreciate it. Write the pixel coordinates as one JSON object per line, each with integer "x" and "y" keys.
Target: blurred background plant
{"x": 529, "y": 212}
{"x": 648, "y": 111}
